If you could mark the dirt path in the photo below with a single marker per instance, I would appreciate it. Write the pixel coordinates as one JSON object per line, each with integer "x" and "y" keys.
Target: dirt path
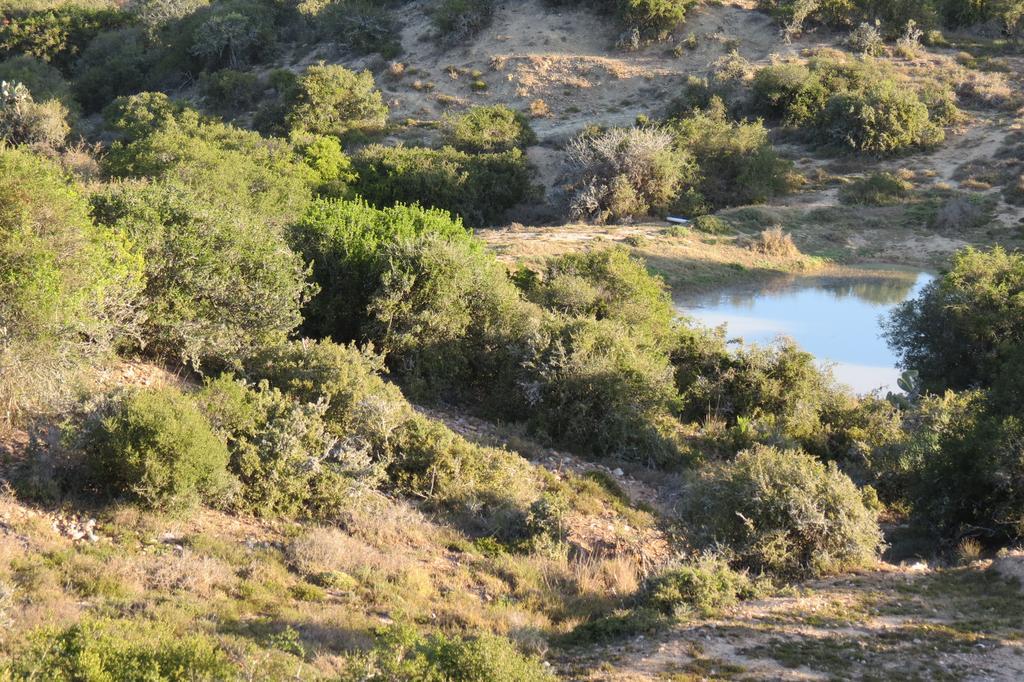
{"x": 908, "y": 623}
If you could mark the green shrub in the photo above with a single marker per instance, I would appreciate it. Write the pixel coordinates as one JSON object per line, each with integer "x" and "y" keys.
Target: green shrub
{"x": 703, "y": 587}
{"x": 110, "y": 650}
{"x": 283, "y": 453}
{"x": 965, "y": 327}
{"x": 346, "y": 243}
{"x": 156, "y": 446}
{"x": 69, "y": 288}
{"x": 784, "y": 513}
{"x": 25, "y": 121}
{"x": 226, "y": 166}
{"x": 115, "y": 63}
{"x": 460, "y": 20}
{"x": 877, "y": 189}
{"x": 488, "y": 129}
{"x": 43, "y": 80}
{"x": 737, "y": 164}
{"x": 710, "y": 224}
{"x": 627, "y": 173}
{"x": 856, "y": 104}
{"x": 361, "y": 26}
{"x": 884, "y": 118}
{"x": 217, "y": 282}
{"x": 137, "y": 116}
{"x": 450, "y": 321}
{"x": 595, "y": 386}
{"x": 479, "y": 188}
{"x": 333, "y": 170}
{"x": 56, "y": 35}
{"x": 608, "y": 284}
{"x": 230, "y": 92}
{"x": 402, "y": 653}
{"x": 331, "y": 100}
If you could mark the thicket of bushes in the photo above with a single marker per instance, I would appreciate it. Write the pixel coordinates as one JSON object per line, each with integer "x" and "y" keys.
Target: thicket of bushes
{"x": 853, "y": 104}
{"x": 695, "y": 163}
{"x": 480, "y": 188}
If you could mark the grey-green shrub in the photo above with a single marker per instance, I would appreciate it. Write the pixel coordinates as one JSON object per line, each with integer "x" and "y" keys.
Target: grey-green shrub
{"x": 286, "y": 457}
{"x": 784, "y": 513}
{"x": 626, "y": 173}
{"x": 155, "y": 446}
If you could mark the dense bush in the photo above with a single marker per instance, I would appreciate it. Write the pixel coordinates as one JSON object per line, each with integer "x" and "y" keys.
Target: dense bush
{"x": 402, "y": 653}
{"x": 479, "y": 188}
{"x": 106, "y": 650}
{"x": 227, "y": 166}
{"x": 331, "y": 100}
{"x": 284, "y": 455}
{"x": 652, "y": 19}
{"x": 25, "y": 121}
{"x": 460, "y": 20}
{"x": 361, "y": 26}
{"x": 856, "y": 104}
{"x": 784, "y": 513}
{"x": 488, "y": 129}
{"x": 43, "y": 80}
{"x": 893, "y": 15}
{"x": 592, "y": 384}
{"x": 68, "y": 288}
{"x": 488, "y": 490}
{"x": 450, "y": 321}
{"x": 702, "y": 587}
{"x": 883, "y": 118}
{"x": 877, "y": 189}
{"x": 230, "y": 33}
{"x": 627, "y": 173}
{"x": 964, "y": 328}
{"x": 115, "y": 63}
{"x": 218, "y": 283}
{"x": 970, "y": 482}
{"x": 608, "y": 284}
{"x": 56, "y": 35}
{"x": 737, "y": 164}
{"x": 229, "y": 91}
{"x": 157, "y": 447}
{"x": 346, "y": 243}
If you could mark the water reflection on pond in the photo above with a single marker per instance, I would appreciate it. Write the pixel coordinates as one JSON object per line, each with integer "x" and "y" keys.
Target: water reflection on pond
{"x": 834, "y": 316}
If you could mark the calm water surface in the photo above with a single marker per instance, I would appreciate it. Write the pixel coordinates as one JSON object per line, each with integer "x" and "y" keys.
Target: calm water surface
{"x": 837, "y": 318}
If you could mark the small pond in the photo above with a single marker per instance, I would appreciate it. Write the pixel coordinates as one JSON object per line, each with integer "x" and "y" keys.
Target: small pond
{"x": 835, "y": 316}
